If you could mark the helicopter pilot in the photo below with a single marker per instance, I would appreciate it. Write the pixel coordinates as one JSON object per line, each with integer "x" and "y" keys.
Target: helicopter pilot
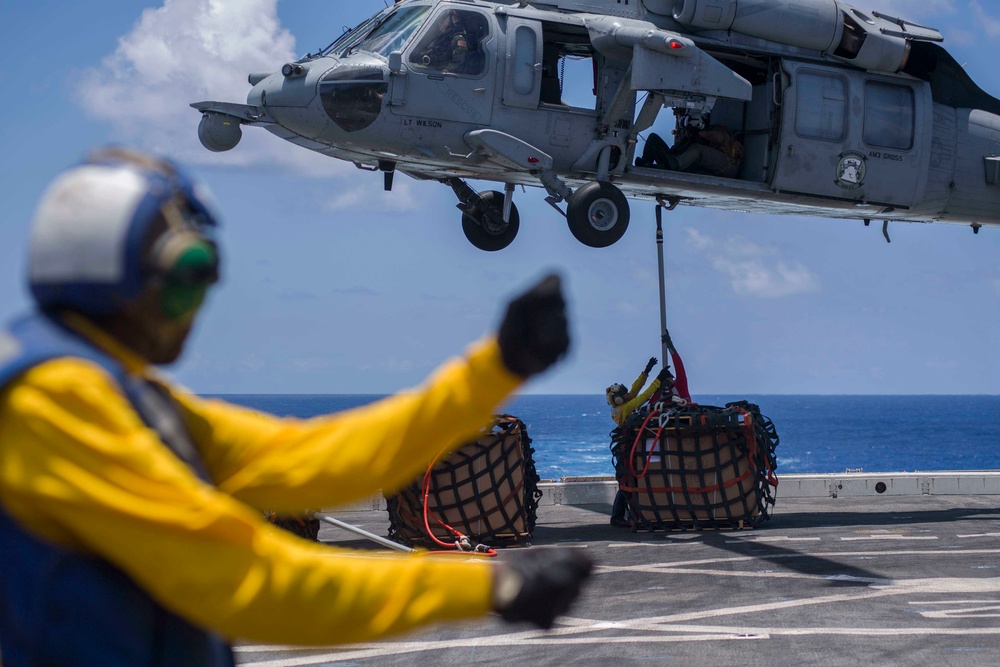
{"x": 451, "y": 46}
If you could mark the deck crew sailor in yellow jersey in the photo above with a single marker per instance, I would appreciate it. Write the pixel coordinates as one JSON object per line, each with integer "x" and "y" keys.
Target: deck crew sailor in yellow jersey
{"x": 130, "y": 523}
{"x": 624, "y": 401}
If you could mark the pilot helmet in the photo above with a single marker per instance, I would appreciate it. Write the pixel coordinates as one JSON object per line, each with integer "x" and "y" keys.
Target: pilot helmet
{"x": 616, "y": 394}
{"x": 89, "y": 247}
{"x": 451, "y": 18}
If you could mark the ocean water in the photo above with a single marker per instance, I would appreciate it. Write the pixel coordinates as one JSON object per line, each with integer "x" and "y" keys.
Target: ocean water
{"x": 818, "y": 434}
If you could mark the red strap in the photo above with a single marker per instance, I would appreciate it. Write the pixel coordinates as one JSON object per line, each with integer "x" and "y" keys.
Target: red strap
{"x": 649, "y": 454}
{"x": 681, "y": 381}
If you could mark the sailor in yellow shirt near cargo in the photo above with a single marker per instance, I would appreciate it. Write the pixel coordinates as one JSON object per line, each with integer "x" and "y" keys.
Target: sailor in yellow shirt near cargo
{"x": 624, "y": 402}
{"x": 130, "y": 523}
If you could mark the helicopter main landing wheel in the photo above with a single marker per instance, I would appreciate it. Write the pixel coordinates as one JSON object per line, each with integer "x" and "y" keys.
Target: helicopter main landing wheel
{"x": 483, "y": 232}
{"x": 598, "y": 214}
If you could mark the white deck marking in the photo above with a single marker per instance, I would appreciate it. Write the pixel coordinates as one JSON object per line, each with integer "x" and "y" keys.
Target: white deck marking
{"x": 619, "y": 545}
{"x": 399, "y": 648}
{"x": 953, "y": 602}
{"x": 675, "y": 628}
{"x": 667, "y": 567}
{"x": 948, "y": 585}
{"x": 558, "y": 637}
{"x": 755, "y": 631}
{"x": 751, "y": 574}
{"x": 774, "y": 538}
{"x": 888, "y": 537}
{"x": 990, "y": 611}
{"x": 980, "y": 535}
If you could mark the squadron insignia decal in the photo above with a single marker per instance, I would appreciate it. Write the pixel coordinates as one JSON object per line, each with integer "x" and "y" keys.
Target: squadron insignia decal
{"x": 851, "y": 170}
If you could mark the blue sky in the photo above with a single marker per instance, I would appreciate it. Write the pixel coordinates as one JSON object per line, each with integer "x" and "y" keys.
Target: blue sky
{"x": 332, "y": 286}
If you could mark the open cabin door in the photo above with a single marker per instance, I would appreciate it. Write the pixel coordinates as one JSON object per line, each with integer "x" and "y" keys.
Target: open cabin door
{"x": 854, "y": 136}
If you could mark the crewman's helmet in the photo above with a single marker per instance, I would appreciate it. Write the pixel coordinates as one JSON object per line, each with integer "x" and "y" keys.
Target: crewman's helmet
{"x": 450, "y": 19}
{"x": 617, "y": 394}
{"x": 90, "y": 240}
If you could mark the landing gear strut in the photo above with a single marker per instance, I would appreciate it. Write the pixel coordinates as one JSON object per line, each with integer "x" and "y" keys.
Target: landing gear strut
{"x": 598, "y": 214}
{"x": 489, "y": 219}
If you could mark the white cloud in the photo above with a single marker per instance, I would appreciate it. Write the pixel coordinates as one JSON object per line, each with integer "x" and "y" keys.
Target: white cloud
{"x": 959, "y": 36}
{"x": 753, "y": 269}
{"x": 368, "y": 194}
{"x": 979, "y": 16}
{"x": 628, "y": 309}
{"x": 699, "y": 240}
{"x": 637, "y": 272}
{"x": 310, "y": 365}
{"x": 188, "y": 51}
{"x": 908, "y": 9}
{"x": 989, "y": 23}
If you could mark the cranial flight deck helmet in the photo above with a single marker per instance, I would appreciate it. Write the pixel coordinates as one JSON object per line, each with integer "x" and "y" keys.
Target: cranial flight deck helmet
{"x": 616, "y": 394}
{"x": 90, "y": 239}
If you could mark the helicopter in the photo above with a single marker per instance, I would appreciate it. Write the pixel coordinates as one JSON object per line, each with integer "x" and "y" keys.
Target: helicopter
{"x": 830, "y": 111}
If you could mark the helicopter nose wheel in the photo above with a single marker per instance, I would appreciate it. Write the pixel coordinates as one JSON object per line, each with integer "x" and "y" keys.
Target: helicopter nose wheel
{"x": 598, "y": 214}
{"x": 490, "y": 233}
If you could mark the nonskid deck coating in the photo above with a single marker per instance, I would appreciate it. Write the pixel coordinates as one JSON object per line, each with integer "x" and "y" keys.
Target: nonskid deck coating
{"x": 884, "y": 580}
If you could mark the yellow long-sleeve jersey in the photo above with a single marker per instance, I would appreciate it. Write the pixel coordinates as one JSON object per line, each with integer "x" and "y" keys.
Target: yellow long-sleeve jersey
{"x": 621, "y": 413}
{"x": 80, "y": 469}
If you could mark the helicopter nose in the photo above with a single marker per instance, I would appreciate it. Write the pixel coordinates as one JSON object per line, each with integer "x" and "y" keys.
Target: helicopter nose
{"x": 296, "y": 88}
{"x": 306, "y": 97}
{"x": 288, "y": 96}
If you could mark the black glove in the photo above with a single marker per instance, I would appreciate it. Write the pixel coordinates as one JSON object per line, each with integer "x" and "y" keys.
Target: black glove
{"x": 665, "y": 377}
{"x": 649, "y": 366}
{"x": 534, "y": 333}
{"x": 538, "y": 585}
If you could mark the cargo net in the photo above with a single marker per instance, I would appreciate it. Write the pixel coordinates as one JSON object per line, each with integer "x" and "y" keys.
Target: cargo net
{"x": 486, "y": 492}
{"x": 696, "y": 467}
{"x": 305, "y": 525}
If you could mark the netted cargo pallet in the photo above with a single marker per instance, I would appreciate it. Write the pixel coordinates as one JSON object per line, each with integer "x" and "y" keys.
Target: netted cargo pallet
{"x": 696, "y": 467}
{"x": 487, "y": 491}
{"x": 305, "y": 524}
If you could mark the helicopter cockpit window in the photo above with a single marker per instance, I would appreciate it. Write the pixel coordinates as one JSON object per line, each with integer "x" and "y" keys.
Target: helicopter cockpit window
{"x": 453, "y": 43}
{"x": 352, "y": 36}
{"x": 889, "y": 115}
{"x": 392, "y": 32}
{"x": 821, "y": 106}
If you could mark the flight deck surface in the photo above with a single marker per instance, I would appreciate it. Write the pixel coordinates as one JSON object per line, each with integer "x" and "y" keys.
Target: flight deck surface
{"x": 884, "y": 580}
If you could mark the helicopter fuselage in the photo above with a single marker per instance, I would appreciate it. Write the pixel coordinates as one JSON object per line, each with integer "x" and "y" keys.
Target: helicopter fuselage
{"x": 838, "y": 117}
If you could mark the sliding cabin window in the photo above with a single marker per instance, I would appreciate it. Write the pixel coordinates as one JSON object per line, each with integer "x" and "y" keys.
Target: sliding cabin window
{"x": 524, "y": 60}
{"x": 889, "y": 115}
{"x": 821, "y": 106}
